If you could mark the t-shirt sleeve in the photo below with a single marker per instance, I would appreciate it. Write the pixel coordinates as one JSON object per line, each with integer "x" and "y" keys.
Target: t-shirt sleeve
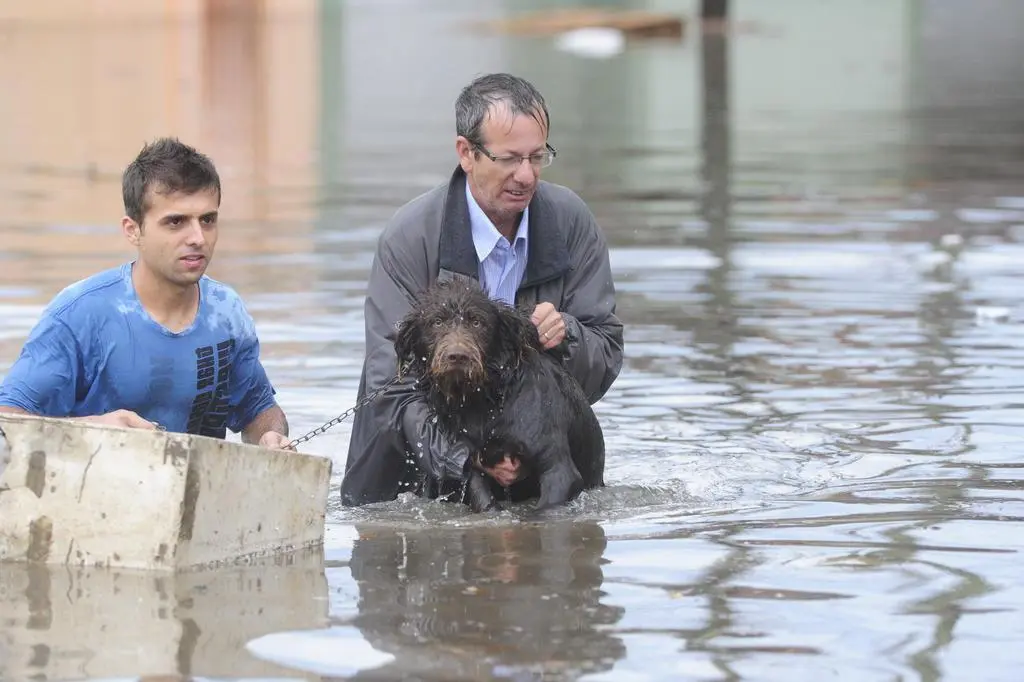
{"x": 45, "y": 376}
{"x": 251, "y": 390}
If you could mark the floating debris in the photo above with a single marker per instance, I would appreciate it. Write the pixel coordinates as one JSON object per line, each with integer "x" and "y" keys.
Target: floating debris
{"x": 951, "y": 241}
{"x": 631, "y": 24}
{"x": 991, "y": 314}
{"x": 600, "y": 43}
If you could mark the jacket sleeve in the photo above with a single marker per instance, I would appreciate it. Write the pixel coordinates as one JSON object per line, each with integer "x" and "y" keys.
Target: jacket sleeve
{"x": 593, "y": 344}
{"x": 397, "y": 422}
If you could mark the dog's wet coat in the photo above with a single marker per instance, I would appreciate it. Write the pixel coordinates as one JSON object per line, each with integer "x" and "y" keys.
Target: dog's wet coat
{"x": 485, "y": 375}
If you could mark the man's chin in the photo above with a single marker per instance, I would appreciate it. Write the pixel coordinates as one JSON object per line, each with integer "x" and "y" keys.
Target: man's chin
{"x": 187, "y": 279}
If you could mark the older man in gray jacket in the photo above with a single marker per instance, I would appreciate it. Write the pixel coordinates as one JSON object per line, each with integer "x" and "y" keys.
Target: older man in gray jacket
{"x": 526, "y": 241}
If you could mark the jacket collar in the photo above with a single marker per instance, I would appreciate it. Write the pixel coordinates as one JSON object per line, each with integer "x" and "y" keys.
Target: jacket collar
{"x": 547, "y": 254}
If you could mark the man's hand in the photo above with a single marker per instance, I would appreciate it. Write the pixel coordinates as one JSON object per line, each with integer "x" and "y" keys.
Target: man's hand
{"x": 506, "y": 472}
{"x": 123, "y": 418}
{"x": 275, "y": 441}
{"x": 549, "y": 323}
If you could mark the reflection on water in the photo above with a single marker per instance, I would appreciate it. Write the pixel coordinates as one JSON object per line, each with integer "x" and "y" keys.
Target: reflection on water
{"x": 70, "y": 624}
{"x": 816, "y": 222}
{"x": 469, "y": 603}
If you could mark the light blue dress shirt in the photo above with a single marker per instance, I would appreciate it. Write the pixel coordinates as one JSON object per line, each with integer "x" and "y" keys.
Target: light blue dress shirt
{"x": 501, "y": 264}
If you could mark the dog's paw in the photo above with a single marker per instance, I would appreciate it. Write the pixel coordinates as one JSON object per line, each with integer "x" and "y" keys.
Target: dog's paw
{"x": 478, "y": 492}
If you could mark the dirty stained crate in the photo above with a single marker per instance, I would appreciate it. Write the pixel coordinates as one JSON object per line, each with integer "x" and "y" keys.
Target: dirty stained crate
{"x": 83, "y": 494}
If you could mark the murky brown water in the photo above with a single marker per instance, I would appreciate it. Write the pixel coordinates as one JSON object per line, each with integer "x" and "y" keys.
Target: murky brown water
{"x": 817, "y": 225}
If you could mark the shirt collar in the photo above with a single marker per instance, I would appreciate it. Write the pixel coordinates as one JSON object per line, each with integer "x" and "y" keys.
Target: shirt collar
{"x": 485, "y": 234}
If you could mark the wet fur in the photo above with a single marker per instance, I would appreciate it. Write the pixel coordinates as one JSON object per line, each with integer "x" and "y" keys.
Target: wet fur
{"x": 506, "y": 396}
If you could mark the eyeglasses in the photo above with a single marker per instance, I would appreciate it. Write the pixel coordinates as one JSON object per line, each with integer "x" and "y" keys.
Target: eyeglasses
{"x": 539, "y": 160}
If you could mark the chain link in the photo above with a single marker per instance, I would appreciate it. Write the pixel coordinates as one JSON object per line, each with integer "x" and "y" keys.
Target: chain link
{"x": 341, "y": 417}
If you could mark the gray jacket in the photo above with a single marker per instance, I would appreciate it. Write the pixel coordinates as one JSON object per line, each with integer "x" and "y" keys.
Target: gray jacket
{"x": 430, "y": 238}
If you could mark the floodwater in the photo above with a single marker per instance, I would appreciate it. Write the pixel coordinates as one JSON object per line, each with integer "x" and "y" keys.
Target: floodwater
{"x": 817, "y": 224}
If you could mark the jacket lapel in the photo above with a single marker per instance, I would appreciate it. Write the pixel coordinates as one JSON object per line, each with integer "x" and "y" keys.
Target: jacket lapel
{"x": 457, "y": 253}
{"x": 548, "y": 255}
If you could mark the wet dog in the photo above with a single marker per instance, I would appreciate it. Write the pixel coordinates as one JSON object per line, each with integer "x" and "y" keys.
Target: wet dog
{"x": 482, "y": 369}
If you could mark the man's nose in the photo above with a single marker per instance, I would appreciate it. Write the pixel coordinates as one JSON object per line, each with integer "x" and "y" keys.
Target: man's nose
{"x": 196, "y": 236}
{"x": 525, "y": 173}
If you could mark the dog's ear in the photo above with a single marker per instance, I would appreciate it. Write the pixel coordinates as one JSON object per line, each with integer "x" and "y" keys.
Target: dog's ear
{"x": 516, "y": 336}
{"x": 408, "y": 343}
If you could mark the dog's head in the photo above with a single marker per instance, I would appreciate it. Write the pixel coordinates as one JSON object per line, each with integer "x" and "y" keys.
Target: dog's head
{"x": 461, "y": 341}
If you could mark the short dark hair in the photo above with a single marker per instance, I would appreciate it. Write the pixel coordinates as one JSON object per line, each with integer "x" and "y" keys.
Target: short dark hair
{"x": 166, "y": 165}
{"x": 476, "y": 99}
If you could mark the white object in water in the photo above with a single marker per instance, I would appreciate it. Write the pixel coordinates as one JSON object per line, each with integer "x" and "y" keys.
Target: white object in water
{"x": 597, "y": 42}
{"x": 991, "y": 314}
{"x": 951, "y": 241}
{"x": 338, "y": 650}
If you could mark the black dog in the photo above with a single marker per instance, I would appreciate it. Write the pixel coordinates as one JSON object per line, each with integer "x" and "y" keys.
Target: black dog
{"x": 485, "y": 375}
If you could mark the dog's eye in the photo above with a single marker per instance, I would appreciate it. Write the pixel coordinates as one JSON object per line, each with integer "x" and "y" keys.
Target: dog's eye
{"x": 476, "y": 323}
{"x": 437, "y": 321}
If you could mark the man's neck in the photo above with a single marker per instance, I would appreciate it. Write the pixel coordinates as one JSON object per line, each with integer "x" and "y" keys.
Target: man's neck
{"x": 171, "y": 306}
{"x": 509, "y": 227}
{"x": 505, "y": 224}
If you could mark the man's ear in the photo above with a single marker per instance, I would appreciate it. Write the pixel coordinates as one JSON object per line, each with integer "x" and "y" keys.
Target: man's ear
{"x": 465, "y": 151}
{"x": 131, "y": 229}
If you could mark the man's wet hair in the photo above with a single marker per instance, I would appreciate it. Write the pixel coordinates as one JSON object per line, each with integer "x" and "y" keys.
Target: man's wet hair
{"x": 513, "y": 92}
{"x": 165, "y": 165}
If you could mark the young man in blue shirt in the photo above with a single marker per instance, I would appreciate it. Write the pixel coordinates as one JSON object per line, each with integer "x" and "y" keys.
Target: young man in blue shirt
{"x": 153, "y": 341}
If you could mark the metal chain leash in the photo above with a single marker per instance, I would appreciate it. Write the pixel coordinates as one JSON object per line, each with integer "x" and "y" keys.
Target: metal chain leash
{"x": 341, "y": 417}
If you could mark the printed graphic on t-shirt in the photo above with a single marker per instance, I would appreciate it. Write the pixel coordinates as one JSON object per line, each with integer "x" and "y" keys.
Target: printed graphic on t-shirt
{"x": 209, "y": 411}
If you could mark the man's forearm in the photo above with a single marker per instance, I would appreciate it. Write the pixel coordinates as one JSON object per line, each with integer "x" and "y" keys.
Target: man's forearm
{"x": 594, "y": 355}
{"x": 271, "y": 419}
{"x": 10, "y": 409}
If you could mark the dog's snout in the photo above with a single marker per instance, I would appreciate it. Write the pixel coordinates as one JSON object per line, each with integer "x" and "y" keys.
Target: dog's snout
{"x": 458, "y": 356}
{"x": 458, "y": 364}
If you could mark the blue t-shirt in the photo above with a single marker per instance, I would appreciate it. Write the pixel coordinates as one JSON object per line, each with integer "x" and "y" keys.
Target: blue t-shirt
{"x": 95, "y": 349}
